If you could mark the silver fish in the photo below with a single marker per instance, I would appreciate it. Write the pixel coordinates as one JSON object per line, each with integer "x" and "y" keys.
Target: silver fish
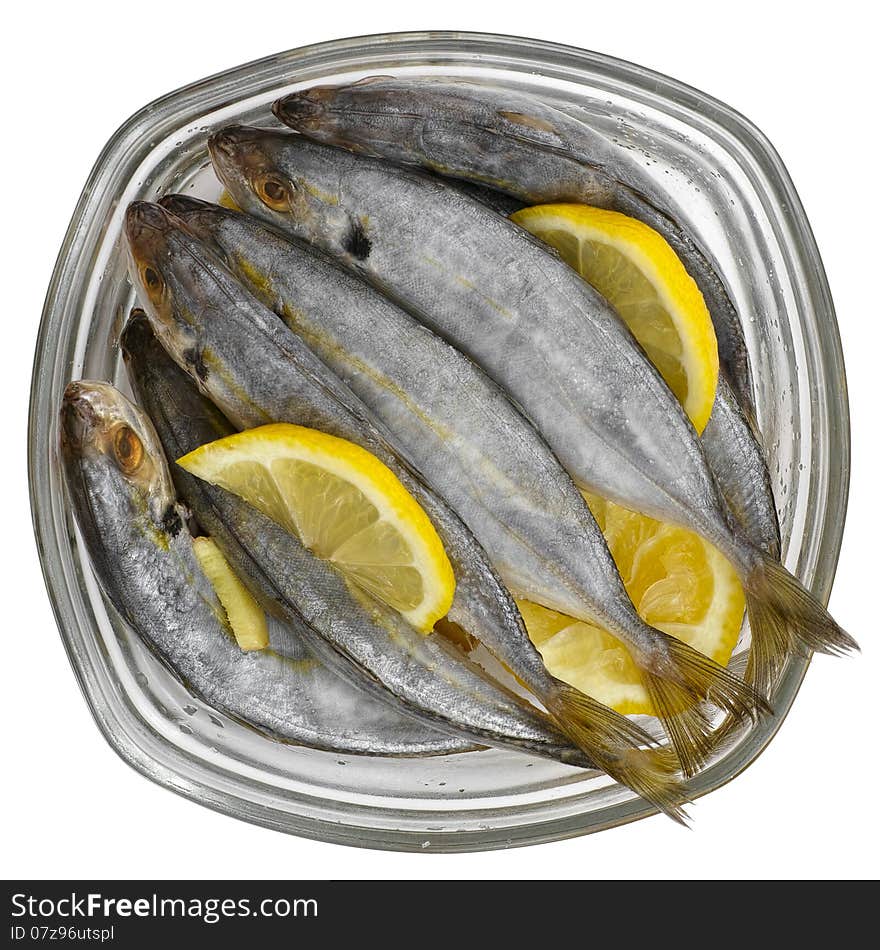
{"x": 314, "y": 593}
{"x": 251, "y": 365}
{"x": 461, "y": 431}
{"x": 127, "y": 511}
{"x": 739, "y": 468}
{"x": 730, "y": 438}
{"x": 540, "y": 331}
{"x": 513, "y": 142}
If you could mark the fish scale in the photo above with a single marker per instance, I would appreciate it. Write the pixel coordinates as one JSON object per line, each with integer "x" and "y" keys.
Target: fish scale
{"x": 738, "y": 465}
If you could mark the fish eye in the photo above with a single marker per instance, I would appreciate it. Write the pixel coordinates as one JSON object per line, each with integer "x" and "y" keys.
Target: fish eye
{"x": 274, "y": 192}
{"x": 128, "y": 449}
{"x": 152, "y": 280}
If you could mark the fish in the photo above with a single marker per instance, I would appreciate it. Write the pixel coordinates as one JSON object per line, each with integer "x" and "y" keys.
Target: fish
{"x": 730, "y": 440}
{"x": 243, "y": 357}
{"x": 299, "y": 585}
{"x": 501, "y": 142}
{"x": 541, "y": 332}
{"x": 133, "y": 526}
{"x": 738, "y": 464}
{"x": 513, "y": 142}
{"x": 462, "y": 432}
{"x": 498, "y": 201}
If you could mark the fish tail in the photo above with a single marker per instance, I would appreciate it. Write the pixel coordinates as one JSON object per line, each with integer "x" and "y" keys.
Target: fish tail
{"x": 785, "y": 619}
{"x": 679, "y": 687}
{"x": 615, "y": 743}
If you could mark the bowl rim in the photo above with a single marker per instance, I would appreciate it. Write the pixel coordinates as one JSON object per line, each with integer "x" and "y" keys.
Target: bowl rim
{"x": 645, "y": 84}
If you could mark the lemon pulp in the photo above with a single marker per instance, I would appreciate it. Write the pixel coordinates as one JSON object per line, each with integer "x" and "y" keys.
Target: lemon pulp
{"x": 344, "y": 505}
{"x": 246, "y": 617}
{"x": 640, "y": 275}
{"x": 678, "y": 582}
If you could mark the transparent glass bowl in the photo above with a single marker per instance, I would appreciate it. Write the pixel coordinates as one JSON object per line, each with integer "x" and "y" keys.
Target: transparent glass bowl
{"x": 736, "y": 194}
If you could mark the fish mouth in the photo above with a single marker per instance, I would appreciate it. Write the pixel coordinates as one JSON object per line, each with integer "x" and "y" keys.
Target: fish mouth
{"x": 136, "y": 332}
{"x": 180, "y": 205}
{"x": 301, "y": 109}
{"x": 239, "y": 152}
{"x": 84, "y": 408}
{"x": 144, "y": 217}
{"x": 229, "y": 143}
{"x": 146, "y": 228}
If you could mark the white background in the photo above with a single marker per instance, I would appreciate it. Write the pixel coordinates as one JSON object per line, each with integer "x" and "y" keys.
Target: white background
{"x": 73, "y": 72}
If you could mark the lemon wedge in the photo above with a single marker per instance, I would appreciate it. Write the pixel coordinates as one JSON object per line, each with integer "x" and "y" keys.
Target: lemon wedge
{"x": 640, "y": 275}
{"x": 246, "y": 616}
{"x": 344, "y": 505}
{"x": 678, "y": 582}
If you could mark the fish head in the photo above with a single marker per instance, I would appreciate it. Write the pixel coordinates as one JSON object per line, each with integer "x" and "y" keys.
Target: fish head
{"x": 245, "y": 160}
{"x": 284, "y": 179}
{"x": 306, "y": 110}
{"x": 161, "y": 268}
{"x": 147, "y": 230}
{"x": 324, "y": 113}
{"x": 113, "y": 459}
{"x": 247, "y": 246}
{"x": 179, "y": 280}
{"x": 139, "y": 344}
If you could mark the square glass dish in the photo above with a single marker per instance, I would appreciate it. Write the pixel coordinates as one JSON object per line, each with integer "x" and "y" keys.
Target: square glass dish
{"x": 737, "y": 196}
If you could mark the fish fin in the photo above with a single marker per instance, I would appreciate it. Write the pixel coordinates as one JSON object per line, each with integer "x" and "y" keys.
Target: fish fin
{"x": 531, "y": 122}
{"x": 677, "y": 692}
{"x": 785, "y": 619}
{"x": 614, "y": 743}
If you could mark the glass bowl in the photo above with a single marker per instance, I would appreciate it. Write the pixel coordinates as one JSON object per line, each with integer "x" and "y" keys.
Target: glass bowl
{"x": 736, "y": 194}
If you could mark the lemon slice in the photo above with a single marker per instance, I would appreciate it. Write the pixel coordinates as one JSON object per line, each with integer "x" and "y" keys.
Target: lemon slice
{"x": 246, "y": 616}
{"x": 678, "y": 582}
{"x": 344, "y": 505}
{"x": 640, "y": 275}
